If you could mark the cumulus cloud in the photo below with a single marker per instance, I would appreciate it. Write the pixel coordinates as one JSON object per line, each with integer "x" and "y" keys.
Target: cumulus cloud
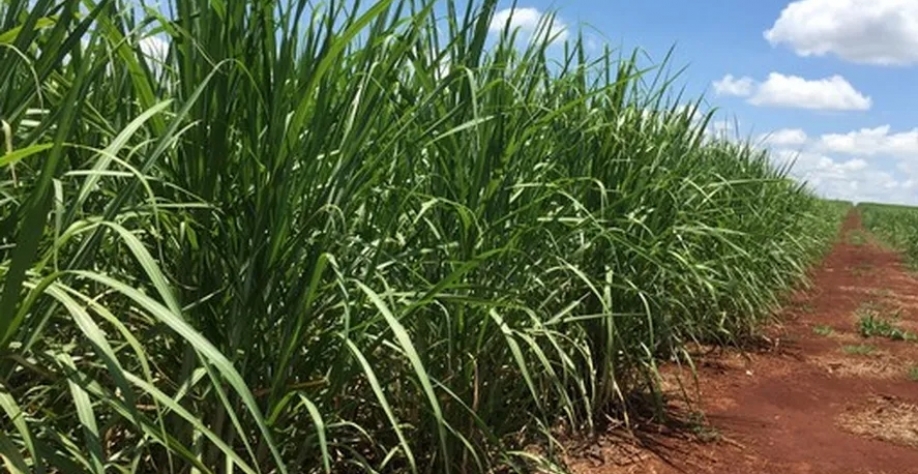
{"x": 871, "y": 164}
{"x": 154, "y": 47}
{"x": 723, "y": 129}
{"x": 693, "y": 112}
{"x": 872, "y": 142}
{"x": 730, "y": 85}
{"x": 785, "y": 137}
{"x": 879, "y": 32}
{"x": 826, "y": 167}
{"x": 529, "y": 20}
{"x": 724, "y": 126}
{"x": 833, "y": 93}
{"x": 853, "y": 179}
{"x": 779, "y": 90}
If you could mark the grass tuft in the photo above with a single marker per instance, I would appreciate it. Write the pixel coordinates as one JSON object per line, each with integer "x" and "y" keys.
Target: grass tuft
{"x": 871, "y": 323}
{"x": 859, "y": 349}
{"x": 857, "y": 238}
{"x": 913, "y": 373}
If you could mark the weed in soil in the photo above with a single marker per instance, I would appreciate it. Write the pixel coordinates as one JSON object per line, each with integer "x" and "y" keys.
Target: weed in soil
{"x": 702, "y": 429}
{"x": 882, "y": 292}
{"x": 859, "y": 349}
{"x": 857, "y": 238}
{"x": 913, "y": 373}
{"x": 823, "y": 330}
{"x": 860, "y": 271}
{"x": 806, "y": 308}
{"x": 871, "y": 324}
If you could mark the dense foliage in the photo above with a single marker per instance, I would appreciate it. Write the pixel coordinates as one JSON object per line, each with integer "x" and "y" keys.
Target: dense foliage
{"x": 894, "y": 224}
{"x": 274, "y": 237}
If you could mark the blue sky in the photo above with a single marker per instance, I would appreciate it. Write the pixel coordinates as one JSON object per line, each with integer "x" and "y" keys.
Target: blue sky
{"x": 831, "y": 81}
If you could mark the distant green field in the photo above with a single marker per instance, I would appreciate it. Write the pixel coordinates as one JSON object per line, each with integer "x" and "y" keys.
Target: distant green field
{"x": 877, "y": 205}
{"x": 838, "y": 207}
{"x": 895, "y": 224}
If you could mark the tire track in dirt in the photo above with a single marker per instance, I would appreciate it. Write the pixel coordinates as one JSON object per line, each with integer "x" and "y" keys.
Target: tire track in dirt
{"x": 821, "y": 399}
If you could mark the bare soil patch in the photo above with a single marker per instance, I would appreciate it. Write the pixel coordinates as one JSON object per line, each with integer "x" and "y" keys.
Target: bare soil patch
{"x": 886, "y": 419}
{"x": 820, "y": 398}
{"x": 882, "y": 365}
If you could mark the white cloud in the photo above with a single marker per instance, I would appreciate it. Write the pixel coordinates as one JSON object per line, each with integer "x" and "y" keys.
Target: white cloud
{"x": 724, "y": 126}
{"x": 439, "y": 63}
{"x": 872, "y": 142}
{"x": 880, "y": 32}
{"x": 833, "y": 93}
{"x": 730, "y": 85}
{"x": 593, "y": 44}
{"x": 825, "y": 166}
{"x": 779, "y": 90}
{"x": 853, "y": 179}
{"x": 871, "y": 164}
{"x": 723, "y": 129}
{"x": 785, "y": 137}
{"x": 528, "y": 20}
{"x": 154, "y": 48}
{"x": 695, "y": 113}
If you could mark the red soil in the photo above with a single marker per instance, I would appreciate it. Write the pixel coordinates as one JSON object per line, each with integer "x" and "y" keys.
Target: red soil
{"x": 812, "y": 402}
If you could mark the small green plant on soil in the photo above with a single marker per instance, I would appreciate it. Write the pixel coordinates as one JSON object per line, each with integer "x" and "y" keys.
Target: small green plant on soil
{"x": 861, "y": 269}
{"x": 857, "y": 238}
{"x": 703, "y": 430}
{"x": 823, "y": 330}
{"x": 882, "y": 292}
{"x": 913, "y": 373}
{"x": 859, "y": 349}
{"x": 807, "y": 308}
{"x": 871, "y": 324}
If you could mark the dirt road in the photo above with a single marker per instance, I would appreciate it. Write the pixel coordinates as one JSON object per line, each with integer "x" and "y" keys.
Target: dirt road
{"x": 822, "y": 399}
